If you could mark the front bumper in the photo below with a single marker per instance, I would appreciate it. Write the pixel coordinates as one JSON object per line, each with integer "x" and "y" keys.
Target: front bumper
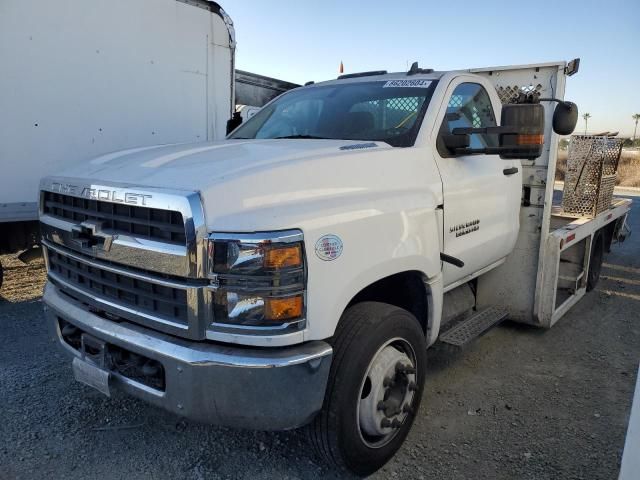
{"x": 257, "y": 388}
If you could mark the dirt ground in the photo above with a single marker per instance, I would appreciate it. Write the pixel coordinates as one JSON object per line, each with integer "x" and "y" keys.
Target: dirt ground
{"x": 519, "y": 403}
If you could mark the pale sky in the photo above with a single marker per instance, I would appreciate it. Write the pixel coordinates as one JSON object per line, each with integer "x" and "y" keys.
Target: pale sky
{"x": 303, "y": 40}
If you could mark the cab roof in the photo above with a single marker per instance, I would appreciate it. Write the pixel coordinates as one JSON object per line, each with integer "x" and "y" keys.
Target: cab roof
{"x": 379, "y": 76}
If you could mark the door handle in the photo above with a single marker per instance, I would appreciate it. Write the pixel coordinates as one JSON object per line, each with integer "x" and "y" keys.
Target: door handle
{"x": 510, "y": 171}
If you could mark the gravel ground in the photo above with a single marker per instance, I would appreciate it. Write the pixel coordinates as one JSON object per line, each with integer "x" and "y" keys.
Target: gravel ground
{"x": 518, "y": 403}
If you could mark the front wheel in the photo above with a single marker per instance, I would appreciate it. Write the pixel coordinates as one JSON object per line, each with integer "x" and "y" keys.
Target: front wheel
{"x": 374, "y": 389}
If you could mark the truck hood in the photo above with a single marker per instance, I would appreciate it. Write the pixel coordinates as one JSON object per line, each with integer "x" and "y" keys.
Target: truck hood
{"x": 241, "y": 182}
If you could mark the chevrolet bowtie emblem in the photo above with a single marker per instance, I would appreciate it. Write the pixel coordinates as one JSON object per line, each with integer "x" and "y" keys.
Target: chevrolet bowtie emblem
{"x": 89, "y": 234}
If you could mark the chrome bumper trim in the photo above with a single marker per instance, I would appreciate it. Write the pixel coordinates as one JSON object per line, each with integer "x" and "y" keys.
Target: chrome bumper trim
{"x": 269, "y": 389}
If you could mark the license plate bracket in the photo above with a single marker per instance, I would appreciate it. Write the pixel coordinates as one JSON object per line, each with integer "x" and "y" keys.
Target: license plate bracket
{"x": 93, "y": 349}
{"x": 90, "y": 368}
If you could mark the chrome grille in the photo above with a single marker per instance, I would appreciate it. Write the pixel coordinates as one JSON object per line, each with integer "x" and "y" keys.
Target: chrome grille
{"x": 146, "y": 297}
{"x": 127, "y": 252}
{"x": 150, "y": 223}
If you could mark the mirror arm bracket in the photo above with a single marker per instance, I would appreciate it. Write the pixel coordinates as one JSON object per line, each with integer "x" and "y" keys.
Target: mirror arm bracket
{"x": 569, "y": 105}
{"x": 485, "y": 130}
{"x": 486, "y": 151}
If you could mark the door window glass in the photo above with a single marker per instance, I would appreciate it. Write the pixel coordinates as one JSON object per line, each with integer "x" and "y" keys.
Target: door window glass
{"x": 469, "y": 107}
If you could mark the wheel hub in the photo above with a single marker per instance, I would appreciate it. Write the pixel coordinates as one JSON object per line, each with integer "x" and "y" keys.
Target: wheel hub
{"x": 387, "y": 392}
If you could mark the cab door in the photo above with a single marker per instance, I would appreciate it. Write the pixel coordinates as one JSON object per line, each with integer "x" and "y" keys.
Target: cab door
{"x": 481, "y": 193}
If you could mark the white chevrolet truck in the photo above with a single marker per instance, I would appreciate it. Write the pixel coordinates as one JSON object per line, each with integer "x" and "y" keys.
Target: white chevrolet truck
{"x": 296, "y": 273}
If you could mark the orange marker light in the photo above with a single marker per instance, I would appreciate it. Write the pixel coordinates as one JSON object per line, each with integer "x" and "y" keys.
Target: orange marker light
{"x": 283, "y": 308}
{"x": 283, "y": 257}
{"x": 530, "y": 140}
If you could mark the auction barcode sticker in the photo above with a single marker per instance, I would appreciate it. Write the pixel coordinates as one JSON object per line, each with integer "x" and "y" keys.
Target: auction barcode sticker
{"x": 414, "y": 83}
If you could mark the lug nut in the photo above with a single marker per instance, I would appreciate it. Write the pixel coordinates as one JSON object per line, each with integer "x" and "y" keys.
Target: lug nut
{"x": 406, "y": 369}
{"x": 385, "y": 423}
{"x": 396, "y": 423}
{"x": 388, "y": 382}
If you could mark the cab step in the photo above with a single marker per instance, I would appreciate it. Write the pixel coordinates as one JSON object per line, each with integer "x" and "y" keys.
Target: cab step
{"x": 467, "y": 330}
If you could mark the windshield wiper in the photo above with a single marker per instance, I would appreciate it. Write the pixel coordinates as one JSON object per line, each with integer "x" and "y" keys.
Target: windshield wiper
{"x": 313, "y": 137}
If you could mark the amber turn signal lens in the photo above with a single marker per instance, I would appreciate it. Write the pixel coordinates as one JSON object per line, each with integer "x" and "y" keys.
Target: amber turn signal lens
{"x": 283, "y": 308}
{"x": 530, "y": 140}
{"x": 283, "y": 257}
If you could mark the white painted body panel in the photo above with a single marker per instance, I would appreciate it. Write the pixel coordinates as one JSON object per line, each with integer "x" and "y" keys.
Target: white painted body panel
{"x": 381, "y": 202}
{"x": 81, "y": 80}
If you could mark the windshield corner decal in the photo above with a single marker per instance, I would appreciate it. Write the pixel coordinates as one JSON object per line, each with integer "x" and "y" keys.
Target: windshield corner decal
{"x": 329, "y": 247}
{"x": 414, "y": 83}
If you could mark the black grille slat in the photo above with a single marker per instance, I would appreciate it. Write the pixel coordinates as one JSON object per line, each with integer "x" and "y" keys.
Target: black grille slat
{"x": 147, "y": 297}
{"x": 119, "y": 284}
{"x": 108, "y": 216}
{"x": 152, "y": 223}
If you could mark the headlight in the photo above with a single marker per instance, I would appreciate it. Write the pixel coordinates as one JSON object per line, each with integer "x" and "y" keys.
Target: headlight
{"x": 258, "y": 281}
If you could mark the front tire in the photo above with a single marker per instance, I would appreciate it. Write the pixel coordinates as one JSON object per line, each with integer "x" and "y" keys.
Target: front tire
{"x": 374, "y": 390}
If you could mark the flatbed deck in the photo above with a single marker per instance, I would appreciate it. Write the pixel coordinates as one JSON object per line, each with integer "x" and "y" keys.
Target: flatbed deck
{"x": 567, "y": 261}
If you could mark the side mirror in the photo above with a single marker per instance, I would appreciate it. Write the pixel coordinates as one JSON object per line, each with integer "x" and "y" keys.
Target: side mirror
{"x": 453, "y": 142}
{"x": 565, "y": 118}
{"x": 234, "y": 122}
{"x": 526, "y": 121}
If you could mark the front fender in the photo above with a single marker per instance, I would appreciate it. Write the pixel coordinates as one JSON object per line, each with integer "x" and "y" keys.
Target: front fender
{"x": 375, "y": 245}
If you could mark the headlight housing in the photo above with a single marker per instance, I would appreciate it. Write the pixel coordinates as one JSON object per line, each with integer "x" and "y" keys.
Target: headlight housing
{"x": 258, "y": 282}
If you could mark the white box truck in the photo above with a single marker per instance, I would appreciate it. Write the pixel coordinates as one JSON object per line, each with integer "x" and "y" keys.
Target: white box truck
{"x": 81, "y": 79}
{"x": 295, "y": 273}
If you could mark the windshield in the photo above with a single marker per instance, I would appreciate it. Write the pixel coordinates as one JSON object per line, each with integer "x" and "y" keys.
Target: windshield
{"x": 387, "y": 111}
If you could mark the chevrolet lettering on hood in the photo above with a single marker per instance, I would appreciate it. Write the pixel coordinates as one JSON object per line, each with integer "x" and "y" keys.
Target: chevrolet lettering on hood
{"x": 107, "y": 195}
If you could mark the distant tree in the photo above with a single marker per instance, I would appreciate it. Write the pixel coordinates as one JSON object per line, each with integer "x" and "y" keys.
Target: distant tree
{"x": 586, "y": 117}
{"x": 636, "y": 117}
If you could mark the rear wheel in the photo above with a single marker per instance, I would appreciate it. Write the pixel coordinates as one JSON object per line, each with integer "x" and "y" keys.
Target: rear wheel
{"x": 595, "y": 260}
{"x": 374, "y": 390}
